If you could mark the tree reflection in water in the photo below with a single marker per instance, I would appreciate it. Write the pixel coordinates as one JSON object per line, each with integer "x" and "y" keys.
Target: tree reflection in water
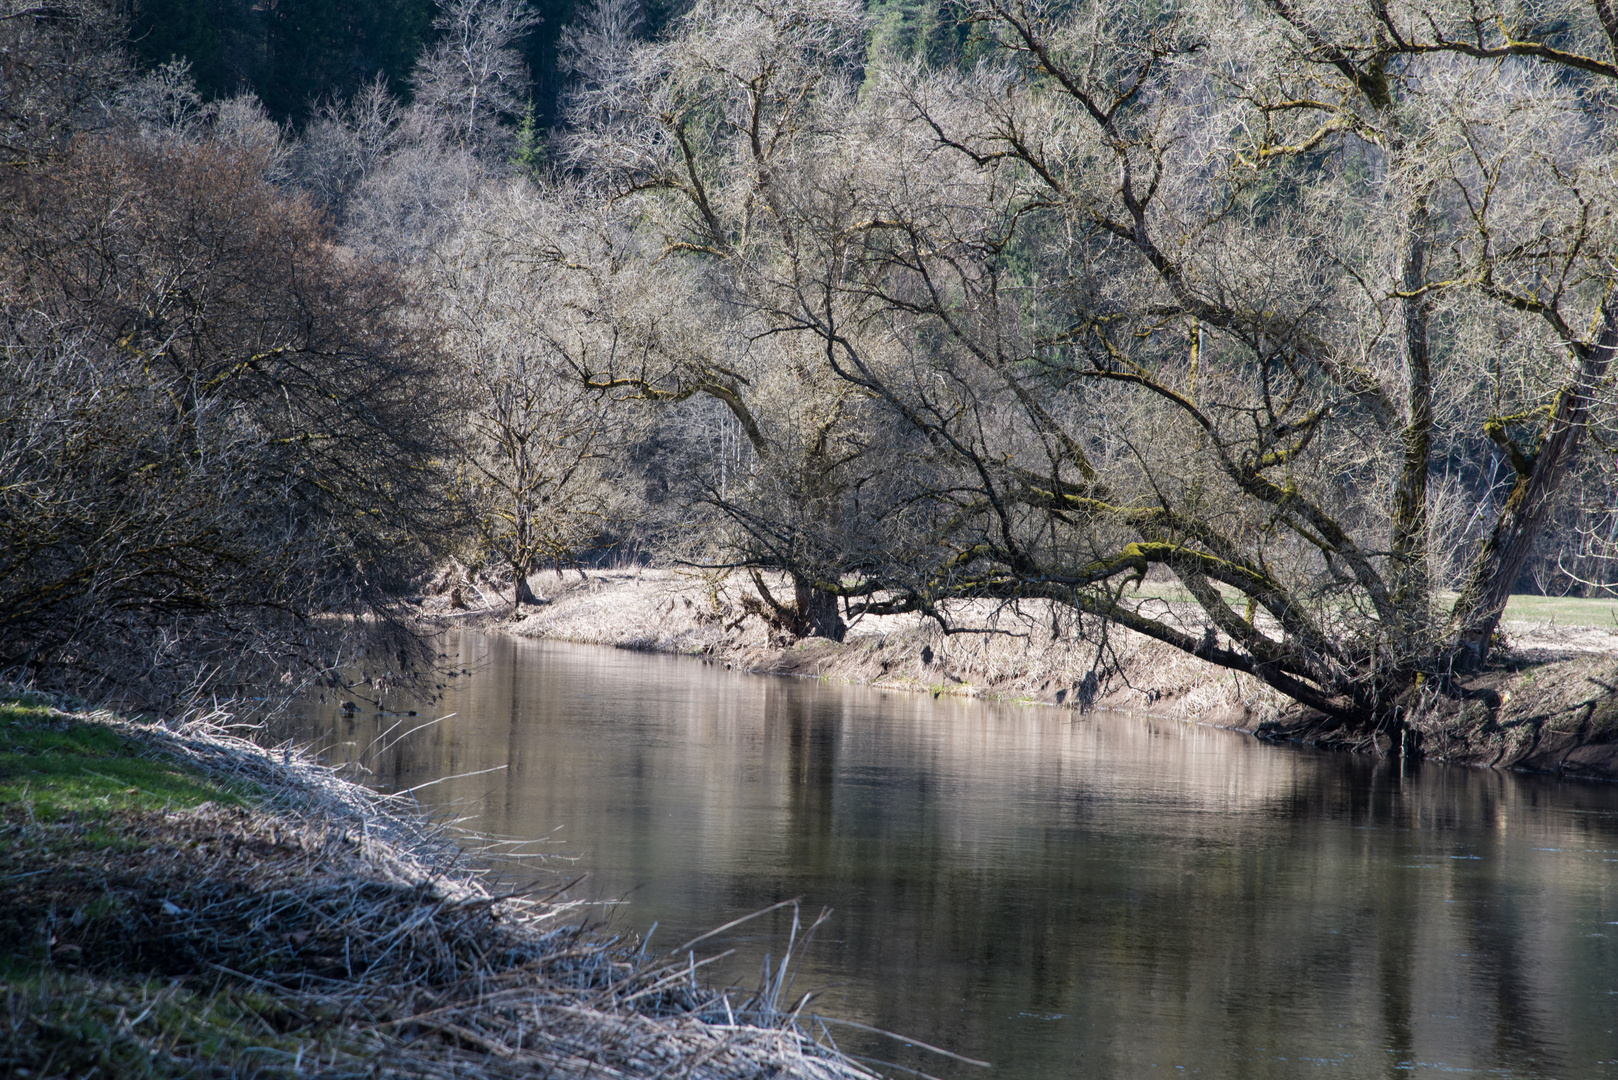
{"x": 1063, "y": 895}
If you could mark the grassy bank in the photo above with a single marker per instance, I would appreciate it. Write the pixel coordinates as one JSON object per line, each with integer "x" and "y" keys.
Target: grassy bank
{"x": 1544, "y": 706}
{"x": 176, "y": 901}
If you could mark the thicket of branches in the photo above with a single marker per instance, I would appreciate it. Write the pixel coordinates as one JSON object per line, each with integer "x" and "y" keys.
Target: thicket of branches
{"x": 223, "y": 437}
{"x": 1306, "y": 310}
{"x": 1280, "y": 333}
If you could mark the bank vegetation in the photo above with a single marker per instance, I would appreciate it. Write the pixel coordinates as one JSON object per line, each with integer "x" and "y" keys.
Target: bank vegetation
{"x": 1300, "y": 313}
{"x": 1545, "y": 704}
{"x": 178, "y": 901}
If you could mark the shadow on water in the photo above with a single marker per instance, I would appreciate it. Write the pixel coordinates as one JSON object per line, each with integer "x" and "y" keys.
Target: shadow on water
{"x": 1095, "y": 896}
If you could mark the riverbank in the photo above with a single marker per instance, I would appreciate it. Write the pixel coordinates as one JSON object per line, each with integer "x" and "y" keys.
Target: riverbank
{"x": 178, "y": 901}
{"x": 1548, "y": 705}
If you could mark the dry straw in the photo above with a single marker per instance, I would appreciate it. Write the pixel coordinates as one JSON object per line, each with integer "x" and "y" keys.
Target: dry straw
{"x": 369, "y": 932}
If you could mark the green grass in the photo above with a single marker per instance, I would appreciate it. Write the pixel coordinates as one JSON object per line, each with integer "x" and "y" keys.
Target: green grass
{"x": 72, "y": 791}
{"x": 56, "y": 765}
{"x": 1564, "y": 611}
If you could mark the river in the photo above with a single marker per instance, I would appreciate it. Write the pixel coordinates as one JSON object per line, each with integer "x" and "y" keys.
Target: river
{"x": 1098, "y": 896}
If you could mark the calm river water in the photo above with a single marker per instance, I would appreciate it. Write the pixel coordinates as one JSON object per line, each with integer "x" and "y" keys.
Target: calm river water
{"x": 1095, "y": 896}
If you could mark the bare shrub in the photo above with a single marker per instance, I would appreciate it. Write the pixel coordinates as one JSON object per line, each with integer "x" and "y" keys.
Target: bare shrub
{"x": 218, "y": 431}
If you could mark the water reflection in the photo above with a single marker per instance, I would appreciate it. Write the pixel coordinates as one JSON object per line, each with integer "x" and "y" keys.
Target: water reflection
{"x": 1089, "y": 896}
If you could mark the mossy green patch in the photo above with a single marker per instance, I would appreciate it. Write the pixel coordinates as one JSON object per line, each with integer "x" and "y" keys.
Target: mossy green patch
{"x": 129, "y": 1027}
{"x": 53, "y": 765}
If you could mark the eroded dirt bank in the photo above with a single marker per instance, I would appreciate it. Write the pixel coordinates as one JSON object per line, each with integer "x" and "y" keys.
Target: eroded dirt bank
{"x": 1547, "y": 710}
{"x": 1551, "y": 705}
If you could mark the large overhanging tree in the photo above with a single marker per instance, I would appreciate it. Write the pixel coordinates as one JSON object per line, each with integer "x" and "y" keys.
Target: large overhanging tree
{"x": 1302, "y": 249}
{"x": 1240, "y": 294}
{"x": 691, "y": 141}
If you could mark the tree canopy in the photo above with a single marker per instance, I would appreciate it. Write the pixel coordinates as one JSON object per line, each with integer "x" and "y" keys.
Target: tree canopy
{"x": 1281, "y": 334}
{"x": 1197, "y": 292}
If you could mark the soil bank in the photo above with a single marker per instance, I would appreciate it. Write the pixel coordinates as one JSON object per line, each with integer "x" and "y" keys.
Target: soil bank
{"x": 1549, "y": 704}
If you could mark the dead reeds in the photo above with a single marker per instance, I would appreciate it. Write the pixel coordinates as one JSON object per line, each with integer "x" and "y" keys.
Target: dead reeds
{"x": 324, "y": 929}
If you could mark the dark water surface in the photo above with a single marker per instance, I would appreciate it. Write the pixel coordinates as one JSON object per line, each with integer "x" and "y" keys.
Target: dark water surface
{"x": 1089, "y": 896}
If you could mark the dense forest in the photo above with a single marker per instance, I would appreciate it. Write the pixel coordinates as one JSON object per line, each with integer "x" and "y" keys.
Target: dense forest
{"x": 1304, "y": 309}
{"x": 294, "y": 53}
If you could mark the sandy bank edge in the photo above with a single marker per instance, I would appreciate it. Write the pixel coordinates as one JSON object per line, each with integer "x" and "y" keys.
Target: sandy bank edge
{"x": 1550, "y": 706}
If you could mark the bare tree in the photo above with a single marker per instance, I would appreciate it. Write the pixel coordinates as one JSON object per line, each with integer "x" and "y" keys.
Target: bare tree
{"x": 164, "y": 103}
{"x": 1293, "y": 375}
{"x": 243, "y": 122}
{"x": 1170, "y": 315}
{"x": 164, "y": 106}
{"x": 596, "y": 51}
{"x": 409, "y": 203}
{"x": 220, "y": 435}
{"x": 472, "y": 77}
{"x": 672, "y": 124}
{"x": 63, "y": 63}
{"x": 531, "y": 476}
{"x": 398, "y": 179}
{"x": 345, "y": 142}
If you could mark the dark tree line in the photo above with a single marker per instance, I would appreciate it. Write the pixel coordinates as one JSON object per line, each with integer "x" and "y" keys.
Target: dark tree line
{"x": 290, "y": 53}
{"x": 223, "y": 437}
{"x": 294, "y": 53}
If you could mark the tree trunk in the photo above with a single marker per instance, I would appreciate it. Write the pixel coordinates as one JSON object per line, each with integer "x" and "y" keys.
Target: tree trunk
{"x": 523, "y": 594}
{"x": 817, "y": 610}
{"x": 1409, "y": 564}
{"x": 1477, "y": 610}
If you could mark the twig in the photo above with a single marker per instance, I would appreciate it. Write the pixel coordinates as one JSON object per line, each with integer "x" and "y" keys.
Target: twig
{"x": 904, "y": 1039}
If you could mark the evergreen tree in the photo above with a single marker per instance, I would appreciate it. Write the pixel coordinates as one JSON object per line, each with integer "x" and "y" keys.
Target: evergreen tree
{"x": 291, "y": 53}
{"x": 528, "y": 154}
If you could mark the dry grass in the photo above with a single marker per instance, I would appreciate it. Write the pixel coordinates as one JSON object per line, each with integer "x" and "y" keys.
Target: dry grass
{"x": 301, "y": 925}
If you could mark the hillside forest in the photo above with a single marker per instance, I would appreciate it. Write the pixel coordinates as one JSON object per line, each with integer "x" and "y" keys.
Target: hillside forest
{"x": 1279, "y": 332}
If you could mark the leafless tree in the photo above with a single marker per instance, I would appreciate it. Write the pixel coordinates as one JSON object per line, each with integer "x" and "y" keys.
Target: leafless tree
{"x": 1195, "y": 297}
{"x": 164, "y": 103}
{"x": 539, "y": 440}
{"x": 596, "y": 51}
{"x": 1294, "y": 374}
{"x": 670, "y": 125}
{"x": 472, "y": 76}
{"x": 220, "y": 435}
{"x": 63, "y": 64}
{"x": 398, "y": 179}
{"x": 411, "y": 201}
{"x": 243, "y": 122}
{"x": 345, "y": 142}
